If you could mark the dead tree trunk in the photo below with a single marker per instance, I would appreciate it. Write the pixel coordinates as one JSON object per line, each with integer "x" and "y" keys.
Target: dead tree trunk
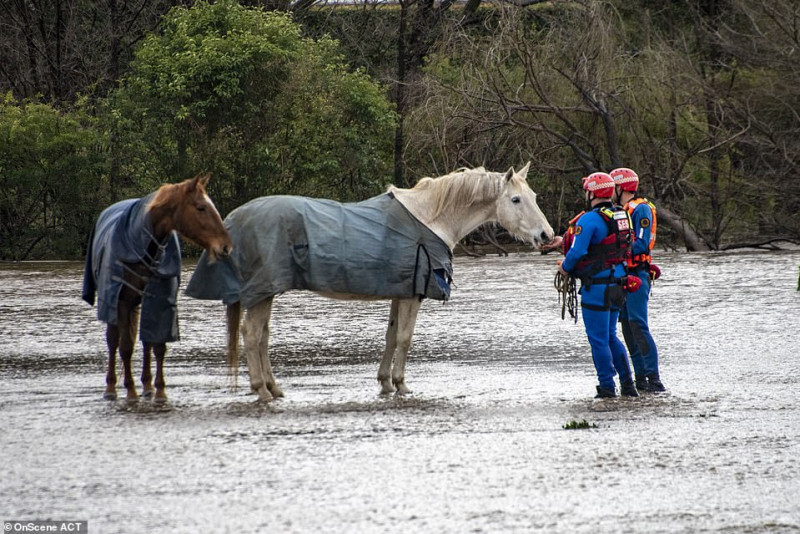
{"x": 691, "y": 239}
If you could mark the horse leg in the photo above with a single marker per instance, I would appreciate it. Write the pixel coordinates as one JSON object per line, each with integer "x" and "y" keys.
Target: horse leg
{"x": 112, "y": 340}
{"x": 385, "y": 369}
{"x": 252, "y": 332}
{"x": 266, "y": 365}
{"x": 126, "y": 316}
{"x": 160, "y": 350}
{"x": 406, "y": 320}
{"x": 147, "y": 375}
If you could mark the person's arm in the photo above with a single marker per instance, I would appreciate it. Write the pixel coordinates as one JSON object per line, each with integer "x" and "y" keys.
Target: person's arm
{"x": 642, "y": 219}
{"x": 581, "y": 242}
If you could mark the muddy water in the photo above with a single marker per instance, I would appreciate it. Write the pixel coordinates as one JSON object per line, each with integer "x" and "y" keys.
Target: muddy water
{"x": 480, "y": 445}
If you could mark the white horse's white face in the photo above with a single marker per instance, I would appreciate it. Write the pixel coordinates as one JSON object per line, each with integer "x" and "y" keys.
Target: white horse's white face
{"x": 518, "y": 212}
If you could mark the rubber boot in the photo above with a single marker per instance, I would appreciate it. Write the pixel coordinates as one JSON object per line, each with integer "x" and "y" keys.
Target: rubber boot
{"x": 654, "y": 384}
{"x": 641, "y": 383}
{"x": 605, "y": 393}
{"x": 628, "y": 389}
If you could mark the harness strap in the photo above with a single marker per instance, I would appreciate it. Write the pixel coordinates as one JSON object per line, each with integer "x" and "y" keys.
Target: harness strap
{"x": 610, "y": 280}
{"x": 121, "y": 280}
{"x": 594, "y": 307}
{"x": 588, "y": 281}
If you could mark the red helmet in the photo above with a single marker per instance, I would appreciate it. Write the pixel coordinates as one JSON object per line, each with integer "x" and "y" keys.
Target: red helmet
{"x": 625, "y": 179}
{"x": 599, "y": 183}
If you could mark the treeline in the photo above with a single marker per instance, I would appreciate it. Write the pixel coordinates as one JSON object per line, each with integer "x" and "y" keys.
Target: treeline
{"x": 106, "y": 100}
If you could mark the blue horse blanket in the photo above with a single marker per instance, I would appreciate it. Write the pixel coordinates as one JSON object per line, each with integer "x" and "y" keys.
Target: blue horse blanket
{"x": 371, "y": 248}
{"x": 122, "y": 235}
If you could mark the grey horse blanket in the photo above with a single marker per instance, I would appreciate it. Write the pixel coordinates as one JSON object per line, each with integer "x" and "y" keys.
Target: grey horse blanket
{"x": 371, "y": 248}
{"x": 122, "y": 234}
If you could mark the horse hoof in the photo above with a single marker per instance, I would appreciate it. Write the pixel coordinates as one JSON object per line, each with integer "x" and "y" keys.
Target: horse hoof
{"x": 264, "y": 395}
{"x": 402, "y": 389}
{"x": 110, "y": 395}
{"x": 148, "y": 393}
{"x": 386, "y": 387}
{"x": 276, "y": 392}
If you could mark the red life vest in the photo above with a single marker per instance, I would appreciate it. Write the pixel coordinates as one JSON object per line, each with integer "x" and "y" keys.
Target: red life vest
{"x": 640, "y": 259}
{"x": 612, "y": 250}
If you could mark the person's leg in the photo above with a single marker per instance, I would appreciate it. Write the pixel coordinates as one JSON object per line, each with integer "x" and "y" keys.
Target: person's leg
{"x": 620, "y": 358}
{"x": 630, "y": 343}
{"x": 596, "y": 324}
{"x": 640, "y": 331}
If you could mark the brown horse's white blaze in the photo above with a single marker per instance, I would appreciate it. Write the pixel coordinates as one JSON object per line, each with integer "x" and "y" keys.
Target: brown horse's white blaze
{"x": 185, "y": 208}
{"x": 451, "y": 206}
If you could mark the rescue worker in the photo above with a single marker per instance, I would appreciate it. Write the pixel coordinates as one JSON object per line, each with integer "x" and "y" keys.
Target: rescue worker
{"x": 635, "y": 328}
{"x": 595, "y": 251}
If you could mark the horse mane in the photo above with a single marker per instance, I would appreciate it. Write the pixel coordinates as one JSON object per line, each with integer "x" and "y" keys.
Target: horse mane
{"x": 463, "y": 187}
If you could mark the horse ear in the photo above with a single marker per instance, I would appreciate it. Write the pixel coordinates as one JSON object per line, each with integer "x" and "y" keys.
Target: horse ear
{"x": 200, "y": 179}
{"x": 509, "y": 174}
{"x": 524, "y": 171}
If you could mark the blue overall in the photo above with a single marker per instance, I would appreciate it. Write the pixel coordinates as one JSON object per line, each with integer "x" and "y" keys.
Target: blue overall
{"x": 600, "y": 320}
{"x": 633, "y": 316}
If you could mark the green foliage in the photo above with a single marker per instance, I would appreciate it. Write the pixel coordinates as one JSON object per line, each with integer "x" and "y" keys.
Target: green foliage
{"x": 239, "y": 92}
{"x": 699, "y": 98}
{"x": 579, "y": 425}
{"x": 52, "y": 177}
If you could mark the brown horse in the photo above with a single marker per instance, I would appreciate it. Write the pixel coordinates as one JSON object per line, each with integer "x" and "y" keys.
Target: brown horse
{"x": 134, "y": 261}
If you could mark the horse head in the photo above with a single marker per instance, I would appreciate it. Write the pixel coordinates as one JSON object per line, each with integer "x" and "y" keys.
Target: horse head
{"x": 518, "y": 212}
{"x": 194, "y": 216}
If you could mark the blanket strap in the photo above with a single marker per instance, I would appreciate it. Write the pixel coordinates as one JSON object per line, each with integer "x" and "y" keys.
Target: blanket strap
{"x": 130, "y": 286}
{"x": 153, "y": 261}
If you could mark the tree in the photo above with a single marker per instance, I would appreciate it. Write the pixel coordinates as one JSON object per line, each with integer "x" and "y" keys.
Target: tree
{"x": 238, "y": 91}
{"x": 400, "y": 38}
{"x": 52, "y": 177}
{"x": 57, "y": 50}
{"x": 573, "y": 85}
{"x": 762, "y": 39}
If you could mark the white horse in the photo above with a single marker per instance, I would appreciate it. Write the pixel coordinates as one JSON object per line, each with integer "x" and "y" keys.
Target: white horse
{"x": 451, "y": 206}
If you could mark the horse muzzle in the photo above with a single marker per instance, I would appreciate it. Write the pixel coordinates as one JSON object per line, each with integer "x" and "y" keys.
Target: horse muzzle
{"x": 553, "y": 244}
{"x": 220, "y": 252}
{"x": 544, "y": 240}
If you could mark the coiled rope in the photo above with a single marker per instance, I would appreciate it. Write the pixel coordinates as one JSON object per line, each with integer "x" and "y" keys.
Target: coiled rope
{"x": 567, "y": 295}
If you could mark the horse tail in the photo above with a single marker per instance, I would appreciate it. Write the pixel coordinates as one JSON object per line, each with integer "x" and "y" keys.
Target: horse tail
{"x": 89, "y": 284}
{"x": 233, "y": 315}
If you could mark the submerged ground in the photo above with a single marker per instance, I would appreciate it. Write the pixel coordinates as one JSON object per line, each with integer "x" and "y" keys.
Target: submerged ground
{"x": 479, "y": 447}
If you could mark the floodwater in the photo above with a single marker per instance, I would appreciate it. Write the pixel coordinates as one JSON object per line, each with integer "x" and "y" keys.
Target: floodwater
{"x": 479, "y": 447}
